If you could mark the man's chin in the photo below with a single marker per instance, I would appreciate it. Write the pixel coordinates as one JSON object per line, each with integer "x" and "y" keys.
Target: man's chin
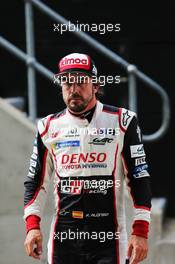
{"x": 76, "y": 107}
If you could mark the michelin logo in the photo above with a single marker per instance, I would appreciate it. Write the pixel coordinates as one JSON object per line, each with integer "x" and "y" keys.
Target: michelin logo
{"x": 64, "y": 144}
{"x": 137, "y": 151}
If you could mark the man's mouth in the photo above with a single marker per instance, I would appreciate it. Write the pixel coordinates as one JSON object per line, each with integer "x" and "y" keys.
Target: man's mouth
{"x": 74, "y": 99}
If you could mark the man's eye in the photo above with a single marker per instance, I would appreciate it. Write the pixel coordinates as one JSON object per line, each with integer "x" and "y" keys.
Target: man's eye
{"x": 68, "y": 83}
{"x": 80, "y": 82}
{"x": 63, "y": 80}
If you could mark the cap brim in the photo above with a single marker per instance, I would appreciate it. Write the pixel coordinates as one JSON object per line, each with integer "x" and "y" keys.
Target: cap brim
{"x": 75, "y": 71}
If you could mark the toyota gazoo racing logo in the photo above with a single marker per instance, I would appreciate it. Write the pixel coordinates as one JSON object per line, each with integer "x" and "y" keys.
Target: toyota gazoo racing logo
{"x": 91, "y": 186}
{"x": 71, "y": 186}
{"x": 75, "y": 60}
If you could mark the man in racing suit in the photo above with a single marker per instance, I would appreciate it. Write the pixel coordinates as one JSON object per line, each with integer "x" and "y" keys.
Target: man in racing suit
{"x": 93, "y": 150}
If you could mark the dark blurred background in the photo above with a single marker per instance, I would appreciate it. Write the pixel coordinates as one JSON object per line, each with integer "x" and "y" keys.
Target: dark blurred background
{"x": 147, "y": 39}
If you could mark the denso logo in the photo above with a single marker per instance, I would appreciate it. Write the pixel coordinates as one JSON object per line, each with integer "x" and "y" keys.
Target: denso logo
{"x": 81, "y": 157}
{"x": 73, "y": 61}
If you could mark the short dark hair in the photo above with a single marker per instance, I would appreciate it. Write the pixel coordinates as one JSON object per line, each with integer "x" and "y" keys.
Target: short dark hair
{"x": 100, "y": 93}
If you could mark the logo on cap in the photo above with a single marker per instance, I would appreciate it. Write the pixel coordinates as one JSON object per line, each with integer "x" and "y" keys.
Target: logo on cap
{"x": 94, "y": 70}
{"x": 75, "y": 61}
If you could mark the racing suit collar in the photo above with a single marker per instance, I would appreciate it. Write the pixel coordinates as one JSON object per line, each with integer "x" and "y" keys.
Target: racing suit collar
{"x": 83, "y": 121}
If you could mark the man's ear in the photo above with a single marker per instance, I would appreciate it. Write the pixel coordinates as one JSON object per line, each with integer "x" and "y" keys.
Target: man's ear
{"x": 96, "y": 86}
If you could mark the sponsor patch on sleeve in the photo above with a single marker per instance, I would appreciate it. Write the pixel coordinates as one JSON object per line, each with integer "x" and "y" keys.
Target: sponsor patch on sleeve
{"x": 141, "y": 174}
{"x": 141, "y": 171}
{"x": 140, "y": 161}
{"x": 137, "y": 151}
{"x": 140, "y": 168}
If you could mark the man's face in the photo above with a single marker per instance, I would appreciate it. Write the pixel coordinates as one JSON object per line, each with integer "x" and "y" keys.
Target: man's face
{"x": 78, "y": 91}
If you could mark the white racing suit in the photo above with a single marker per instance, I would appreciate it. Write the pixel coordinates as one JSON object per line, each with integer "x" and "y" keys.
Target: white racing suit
{"x": 91, "y": 163}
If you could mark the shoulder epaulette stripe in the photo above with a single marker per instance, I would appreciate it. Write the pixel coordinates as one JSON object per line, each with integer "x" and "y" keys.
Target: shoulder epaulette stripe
{"x": 52, "y": 117}
{"x": 110, "y": 109}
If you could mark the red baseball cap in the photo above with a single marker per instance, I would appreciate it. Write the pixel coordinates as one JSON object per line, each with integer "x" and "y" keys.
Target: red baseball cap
{"x": 77, "y": 62}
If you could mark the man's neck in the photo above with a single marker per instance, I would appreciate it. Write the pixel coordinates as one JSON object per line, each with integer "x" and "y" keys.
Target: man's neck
{"x": 88, "y": 114}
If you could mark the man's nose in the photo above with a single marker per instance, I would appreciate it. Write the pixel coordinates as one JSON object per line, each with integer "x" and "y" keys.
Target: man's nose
{"x": 73, "y": 87}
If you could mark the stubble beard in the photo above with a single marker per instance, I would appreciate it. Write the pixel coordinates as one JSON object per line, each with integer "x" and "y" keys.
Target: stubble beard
{"x": 79, "y": 106}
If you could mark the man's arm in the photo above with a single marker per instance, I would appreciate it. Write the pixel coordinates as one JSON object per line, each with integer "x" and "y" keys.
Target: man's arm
{"x": 138, "y": 180}
{"x": 36, "y": 188}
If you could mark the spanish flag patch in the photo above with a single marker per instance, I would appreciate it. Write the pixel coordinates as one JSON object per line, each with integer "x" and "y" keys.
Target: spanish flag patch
{"x": 77, "y": 214}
